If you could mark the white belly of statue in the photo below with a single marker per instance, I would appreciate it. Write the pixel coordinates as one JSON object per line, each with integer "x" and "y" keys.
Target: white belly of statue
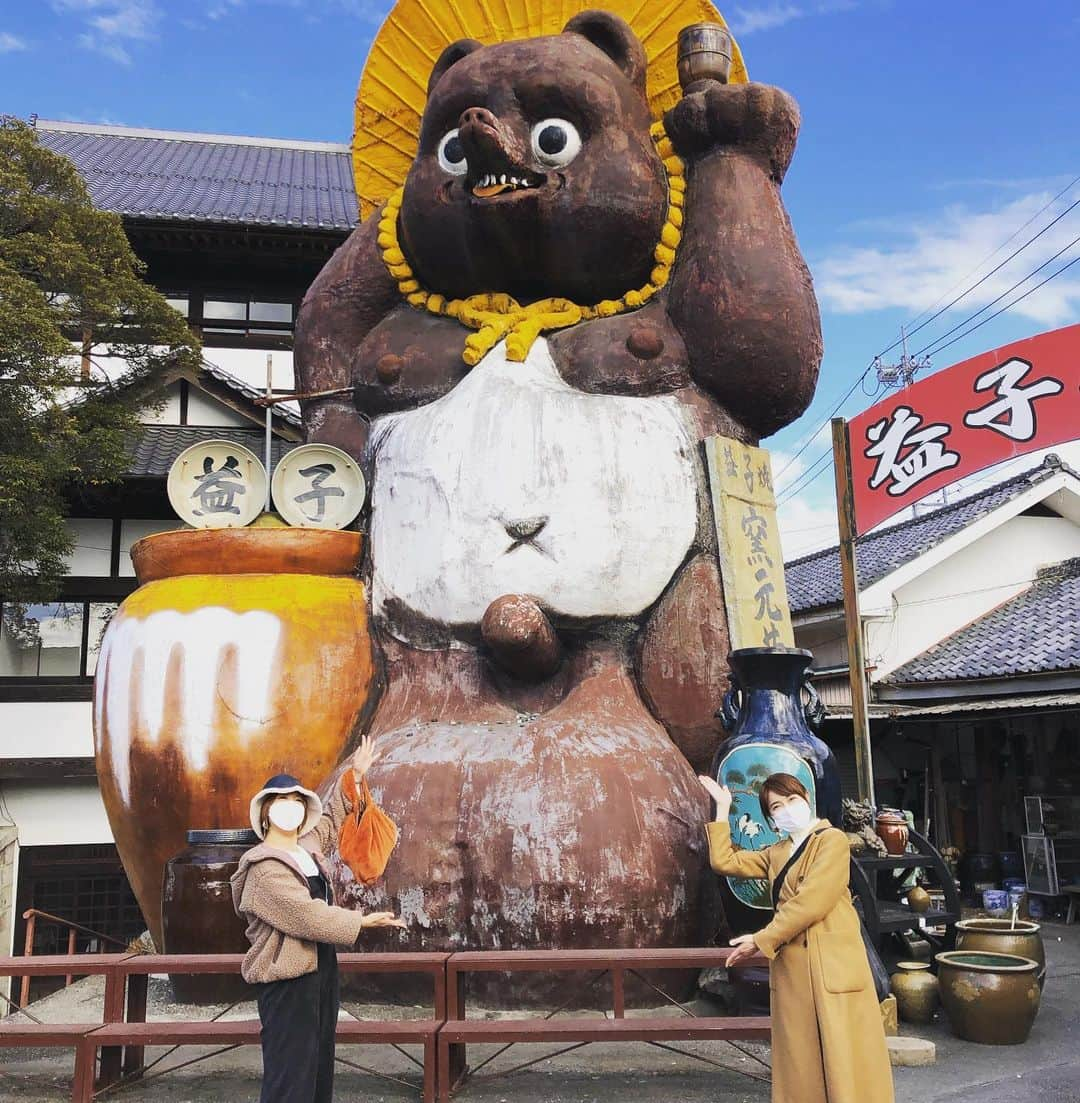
{"x": 515, "y": 482}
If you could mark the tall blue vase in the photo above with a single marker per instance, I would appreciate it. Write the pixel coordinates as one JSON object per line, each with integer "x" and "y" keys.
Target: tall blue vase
{"x": 771, "y": 711}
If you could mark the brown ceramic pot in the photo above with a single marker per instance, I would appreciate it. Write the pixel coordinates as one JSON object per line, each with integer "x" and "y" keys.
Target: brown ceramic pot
{"x": 244, "y": 653}
{"x": 989, "y": 998}
{"x": 916, "y": 991}
{"x": 892, "y": 829}
{"x": 197, "y": 913}
{"x": 1002, "y": 936}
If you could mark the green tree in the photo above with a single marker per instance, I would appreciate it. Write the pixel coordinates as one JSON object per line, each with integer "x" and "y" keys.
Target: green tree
{"x": 71, "y": 296}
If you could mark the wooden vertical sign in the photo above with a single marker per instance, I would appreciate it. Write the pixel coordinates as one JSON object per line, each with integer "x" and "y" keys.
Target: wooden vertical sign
{"x": 849, "y": 574}
{"x": 751, "y": 562}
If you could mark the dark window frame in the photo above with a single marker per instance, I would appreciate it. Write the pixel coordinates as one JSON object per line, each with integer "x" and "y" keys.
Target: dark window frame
{"x": 82, "y": 678}
{"x": 238, "y": 333}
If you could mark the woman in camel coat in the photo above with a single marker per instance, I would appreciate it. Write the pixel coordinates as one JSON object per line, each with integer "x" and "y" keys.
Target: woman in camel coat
{"x": 828, "y": 1043}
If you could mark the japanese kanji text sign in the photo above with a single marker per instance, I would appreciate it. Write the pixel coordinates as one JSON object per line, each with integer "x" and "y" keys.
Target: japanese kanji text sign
{"x": 751, "y": 562}
{"x": 985, "y": 410}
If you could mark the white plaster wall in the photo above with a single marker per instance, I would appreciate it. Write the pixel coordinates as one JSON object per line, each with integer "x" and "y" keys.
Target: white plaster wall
{"x": 203, "y": 409}
{"x": 169, "y": 411}
{"x": 827, "y": 639}
{"x": 93, "y": 542}
{"x": 967, "y": 585}
{"x": 46, "y": 729}
{"x": 67, "y": 814}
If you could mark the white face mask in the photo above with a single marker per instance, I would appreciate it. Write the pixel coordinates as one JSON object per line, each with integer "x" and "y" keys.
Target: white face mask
{"x": 792, "y": 817}
{"x": 287, "y": 815}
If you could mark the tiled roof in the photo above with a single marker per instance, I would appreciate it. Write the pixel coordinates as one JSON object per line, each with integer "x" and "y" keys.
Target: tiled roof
{"x": 1036, "y": 632}
{"x": 248, "y": 390}
{"x": 158, "y": 445}
{"x": 210, "y": 177}
{"x": 813, "y": 581}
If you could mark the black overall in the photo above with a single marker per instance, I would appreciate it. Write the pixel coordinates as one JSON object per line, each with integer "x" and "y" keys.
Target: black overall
{"x": 299, "y": 1018}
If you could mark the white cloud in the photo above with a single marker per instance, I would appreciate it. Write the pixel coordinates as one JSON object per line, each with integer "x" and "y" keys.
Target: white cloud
{"x": 767, "y": 17}
{"x": 113, "y": 26}
{"x": 746, "y": 21}
{"x": 807, "y": 526}
{"x": 10, "y": 43}
{"x": 931, "y": 259}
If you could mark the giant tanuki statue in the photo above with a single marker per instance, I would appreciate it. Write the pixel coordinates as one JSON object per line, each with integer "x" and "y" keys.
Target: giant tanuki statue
{"x": 540, "y": 328}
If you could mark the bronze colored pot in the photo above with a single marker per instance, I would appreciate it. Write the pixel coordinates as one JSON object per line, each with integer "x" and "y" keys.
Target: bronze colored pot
{"x": 989, "y": 998}
{"x": 918, "y": 900}
{"x": 892, "y": 830}
{"x": 1001, "y": 936}
{"x": 197, "y": 914}
{"x": 916, "y": 991}
{"x": 244, "y": 653}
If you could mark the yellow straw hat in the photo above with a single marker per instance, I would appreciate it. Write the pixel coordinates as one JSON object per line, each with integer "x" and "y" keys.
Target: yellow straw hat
{"x": 393, "y": 88}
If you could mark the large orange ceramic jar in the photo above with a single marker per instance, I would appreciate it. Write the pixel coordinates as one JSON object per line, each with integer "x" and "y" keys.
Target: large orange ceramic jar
{"x": 244, "y": 653}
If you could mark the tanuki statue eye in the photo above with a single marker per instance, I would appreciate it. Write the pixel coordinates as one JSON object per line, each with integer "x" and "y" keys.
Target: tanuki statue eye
{"x": 452, "y": 154}
{"x": 555, "y": 142}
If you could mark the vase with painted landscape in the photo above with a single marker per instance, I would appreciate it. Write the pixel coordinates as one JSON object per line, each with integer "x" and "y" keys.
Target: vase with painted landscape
{"x": 770, "y": 711}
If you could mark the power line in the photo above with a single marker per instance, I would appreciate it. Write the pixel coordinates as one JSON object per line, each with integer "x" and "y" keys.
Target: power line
{"x": 1007, "y": 291}
{"x": 809, "y": 476}
{"x": 1016, "y": 252}
{"x": 993, "y": 271}
{"x": 828, "y": 417}
{"x": 1009, "y": 306}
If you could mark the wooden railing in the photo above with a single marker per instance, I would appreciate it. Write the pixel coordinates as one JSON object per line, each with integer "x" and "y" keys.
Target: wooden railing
{"x": 32, "y": 915}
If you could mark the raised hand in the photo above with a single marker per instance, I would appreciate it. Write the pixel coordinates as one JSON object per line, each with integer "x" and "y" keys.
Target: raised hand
{"x": 721, "y": 794}
{"x": 755, "y": 119}
{"x": 365, "y": 757}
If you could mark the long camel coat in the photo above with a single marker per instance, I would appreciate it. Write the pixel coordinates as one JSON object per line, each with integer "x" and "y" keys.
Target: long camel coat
{"x": 828, "y": 1043}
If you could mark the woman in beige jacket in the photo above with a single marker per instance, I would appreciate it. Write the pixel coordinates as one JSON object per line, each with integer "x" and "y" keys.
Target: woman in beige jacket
{"x": 283, "y": 889}
{"x": 828, "y": 1041}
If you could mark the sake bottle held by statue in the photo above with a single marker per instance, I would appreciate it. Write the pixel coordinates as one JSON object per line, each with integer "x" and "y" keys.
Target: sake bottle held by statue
{"x": 770, "y": 711}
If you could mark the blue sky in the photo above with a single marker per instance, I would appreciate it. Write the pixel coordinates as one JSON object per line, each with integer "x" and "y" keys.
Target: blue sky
{"x": 932, "y": 131}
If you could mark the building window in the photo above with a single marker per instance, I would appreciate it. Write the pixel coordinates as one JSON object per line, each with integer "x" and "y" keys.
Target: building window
{"x": 279, "y": 313}
{"x": 179, "y": 301}
{"x": 225, "y": 310}
{"x": 239, "y": 316}
{"x": 52, "y": 640}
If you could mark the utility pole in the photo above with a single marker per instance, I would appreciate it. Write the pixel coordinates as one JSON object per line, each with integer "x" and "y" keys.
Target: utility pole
{"x": 849, "y": 573}
{"x": 901, "y": 374}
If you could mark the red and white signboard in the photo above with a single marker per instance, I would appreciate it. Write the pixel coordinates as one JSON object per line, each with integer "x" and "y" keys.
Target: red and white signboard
{"x": 993, "y": 407}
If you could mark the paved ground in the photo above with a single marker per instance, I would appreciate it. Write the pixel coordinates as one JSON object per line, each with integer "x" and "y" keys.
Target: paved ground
{"x": 1045, "y": 1070}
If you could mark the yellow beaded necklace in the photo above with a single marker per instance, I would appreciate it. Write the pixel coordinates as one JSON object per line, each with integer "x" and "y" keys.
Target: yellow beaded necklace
{"x": 495, "y": 315}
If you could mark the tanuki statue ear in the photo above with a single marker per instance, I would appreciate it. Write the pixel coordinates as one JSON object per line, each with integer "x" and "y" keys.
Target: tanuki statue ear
{"x": 614, "y": 37}
{"x": 449, "y": 57}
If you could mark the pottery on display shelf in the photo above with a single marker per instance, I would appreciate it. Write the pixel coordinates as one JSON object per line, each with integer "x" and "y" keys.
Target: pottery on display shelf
{"x": 892, "y": 828}
{"x": 918, "y": 900}
{"x": 995, "y": 901}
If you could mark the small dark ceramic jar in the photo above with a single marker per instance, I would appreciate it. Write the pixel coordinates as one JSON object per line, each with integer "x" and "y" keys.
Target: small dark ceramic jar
{"x": 197, "y": 911}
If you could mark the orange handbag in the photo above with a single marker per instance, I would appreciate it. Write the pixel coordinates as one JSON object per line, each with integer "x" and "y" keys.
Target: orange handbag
{"x": 368, "y": 835}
